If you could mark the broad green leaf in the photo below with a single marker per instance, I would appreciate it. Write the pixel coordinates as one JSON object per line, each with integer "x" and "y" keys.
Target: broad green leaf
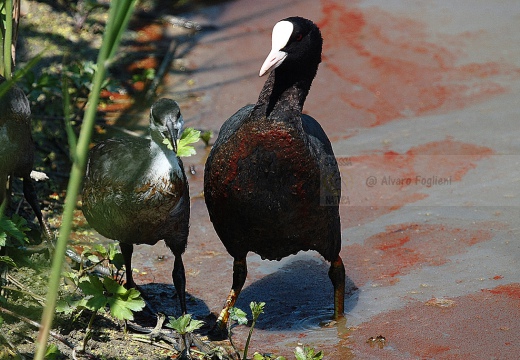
{"x": 123, "y": 302}
{"x": 194, "y": 325}
{"x": 238, "y": 315}
{"x": 113, "y": 287}
{"x": 9, "y": 227}
{"x": 184, "y": 324}
{"x": 189, "y": 136}
{"x": 117, "y": 260}
{"x": 96, "y": 302}
{"x": 91, "y": 285}
{"x": 69, "y": 304}
{"x": 119, "y": 309}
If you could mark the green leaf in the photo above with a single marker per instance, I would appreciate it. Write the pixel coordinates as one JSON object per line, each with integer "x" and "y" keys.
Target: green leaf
{"x": 52, "y": 352}
{"x": 257, "y": 309}
{"x": 206, "y": 136}
{"x": 72, "y": 276}
{"x": 122, "y": 302}
{"x": 7, "y": 260}
{"x": 91, "y": 285}
{"x": 112, "y": 251}
{"x": 168, "y": 143}
{"x": 179, "y": 324}
{"x": 238, "y": 315}
{"x": 95, "y": 303}
{"x": 194, "y": 325}
{"x": 307, "y": 353}
{"x": 119, "y": 309}
{"x": 113, "y": 287}
{"x": 70, "y": 304}
{"x": 117, "y": 260}
{"x": 102, "y": 250}
{"x": 189, "y": 136}
{"x": 299, "y": 353}
{"x": 9, "y": 227}
{"x": 184, "y": 324}
{"x": 134, "y": 300}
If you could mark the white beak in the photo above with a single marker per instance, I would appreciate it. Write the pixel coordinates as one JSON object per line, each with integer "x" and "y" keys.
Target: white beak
{"x": 273, "y": 60}
{"x": 281, "y": 33}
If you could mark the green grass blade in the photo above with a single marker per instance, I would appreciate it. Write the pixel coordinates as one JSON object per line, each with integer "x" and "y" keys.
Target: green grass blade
{"x": 8, "y": 38}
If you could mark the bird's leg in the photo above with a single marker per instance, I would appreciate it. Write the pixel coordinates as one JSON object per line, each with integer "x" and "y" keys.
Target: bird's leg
{"x": 239, "y": 278}
{"x": 337, "y": 276}
{"x": 127, "y": 250}
{"x": 179, "y": 281}
{"x": 29, "y": 193}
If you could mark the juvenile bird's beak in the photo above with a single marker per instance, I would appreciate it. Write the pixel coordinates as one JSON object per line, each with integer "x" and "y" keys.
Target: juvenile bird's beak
{"x": 174, "y": 127}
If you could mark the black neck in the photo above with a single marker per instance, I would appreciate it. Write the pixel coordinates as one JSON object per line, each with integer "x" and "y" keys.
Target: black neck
{"x": 285, "y": 90}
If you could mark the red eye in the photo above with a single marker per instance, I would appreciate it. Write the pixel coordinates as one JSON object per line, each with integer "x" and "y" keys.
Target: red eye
{"x": 299, "y": 37}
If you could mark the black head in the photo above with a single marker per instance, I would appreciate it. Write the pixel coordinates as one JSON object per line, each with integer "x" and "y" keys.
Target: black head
{"x": 166, "y": 121}
{"x": 296, "y": 44}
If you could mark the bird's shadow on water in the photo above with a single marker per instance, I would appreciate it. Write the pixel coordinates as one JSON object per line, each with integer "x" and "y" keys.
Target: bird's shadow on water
{"x": 298, "y": 296}
{"x": 163, "y": 299}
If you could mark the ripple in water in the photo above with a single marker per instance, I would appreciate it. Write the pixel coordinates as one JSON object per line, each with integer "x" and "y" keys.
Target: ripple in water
{"x": 317, "y": 320}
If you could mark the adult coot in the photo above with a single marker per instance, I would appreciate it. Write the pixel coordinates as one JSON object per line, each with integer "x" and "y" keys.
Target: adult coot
{"x": 268, "y": 171}
{"x": 136, "y": 191}
{"x": 17, "y": 148}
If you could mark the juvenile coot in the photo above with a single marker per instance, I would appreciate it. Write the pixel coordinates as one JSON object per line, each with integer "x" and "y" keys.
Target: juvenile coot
{"x": 17, "y": 148}
{"x": 136, "y": 191}
{"x": 270, "y": 165}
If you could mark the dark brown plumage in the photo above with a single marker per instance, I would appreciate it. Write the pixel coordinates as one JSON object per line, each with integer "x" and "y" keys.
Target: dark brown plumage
{"x": 17, "y": 148}
{"x": 268, "y": 171}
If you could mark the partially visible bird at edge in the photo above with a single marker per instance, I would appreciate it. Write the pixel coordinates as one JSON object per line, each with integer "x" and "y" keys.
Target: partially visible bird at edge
{"x": 17, "y": 149}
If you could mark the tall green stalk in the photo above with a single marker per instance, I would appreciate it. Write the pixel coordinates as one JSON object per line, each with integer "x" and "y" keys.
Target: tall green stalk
{"x": 8, "y": 38}
{"x": 256, "y": 310}
{"x": 119, "y": 15}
